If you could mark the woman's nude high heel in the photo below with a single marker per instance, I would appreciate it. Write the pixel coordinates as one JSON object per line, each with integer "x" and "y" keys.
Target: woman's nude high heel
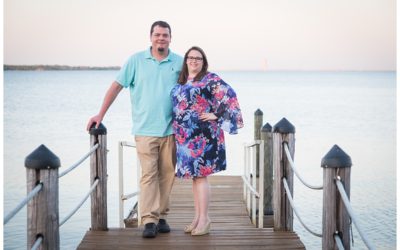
{"x": 203, "y": 231}
{"x": 189, "y": 228}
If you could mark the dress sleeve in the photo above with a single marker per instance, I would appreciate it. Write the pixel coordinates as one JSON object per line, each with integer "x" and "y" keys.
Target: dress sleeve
{"x": 225, "y": 105}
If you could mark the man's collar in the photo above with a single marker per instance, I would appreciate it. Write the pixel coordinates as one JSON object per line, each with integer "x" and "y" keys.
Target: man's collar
{"x": 148, "y": 55}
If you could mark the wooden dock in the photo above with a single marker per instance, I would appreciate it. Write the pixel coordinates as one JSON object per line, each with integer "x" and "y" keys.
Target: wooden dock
{"x": 231, "y": 227}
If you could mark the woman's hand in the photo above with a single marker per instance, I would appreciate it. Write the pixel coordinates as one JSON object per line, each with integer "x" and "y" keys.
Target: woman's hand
{"x": 208, "y": 117}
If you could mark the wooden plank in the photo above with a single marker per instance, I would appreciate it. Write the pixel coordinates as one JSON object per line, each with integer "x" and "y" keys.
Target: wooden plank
{"x": 231, "y": 226}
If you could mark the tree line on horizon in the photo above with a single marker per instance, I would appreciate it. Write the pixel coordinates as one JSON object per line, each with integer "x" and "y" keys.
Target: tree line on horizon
{"x": 56, "y": 67}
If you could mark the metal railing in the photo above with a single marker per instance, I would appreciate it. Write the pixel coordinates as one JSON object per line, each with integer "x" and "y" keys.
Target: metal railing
{"x": 250, "y": 186}
{"x": 123, "y": 197}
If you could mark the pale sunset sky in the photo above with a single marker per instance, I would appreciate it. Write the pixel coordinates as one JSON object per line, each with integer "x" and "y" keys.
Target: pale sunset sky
{"x": 236, "y": 35}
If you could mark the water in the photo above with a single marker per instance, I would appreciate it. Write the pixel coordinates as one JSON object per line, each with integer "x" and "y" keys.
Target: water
{"x": 355, "y": 110}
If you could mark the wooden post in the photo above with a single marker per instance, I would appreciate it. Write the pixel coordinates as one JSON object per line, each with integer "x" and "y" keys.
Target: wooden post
{"x": 42, "y": 211}
{"x": 283, "y": 132}
{"x": 98, "y": 170}
{"x": 266, "y": 136}
{"x": 335, "y": 218}
{"x": 258, "y": 121}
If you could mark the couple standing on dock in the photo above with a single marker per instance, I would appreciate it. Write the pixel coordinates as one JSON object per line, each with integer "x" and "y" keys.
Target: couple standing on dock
{"x": 179, "y": 112}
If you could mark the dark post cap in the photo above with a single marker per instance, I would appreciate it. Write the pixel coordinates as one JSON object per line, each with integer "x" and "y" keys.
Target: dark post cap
{"x": 258, "y": 112}
{"x": 336, "y": 158}
{"x": 101, "y": 130}
{"x": 284, "y": 127}
{"x": 266, "y": 128}
{"x": 42, "y": 158}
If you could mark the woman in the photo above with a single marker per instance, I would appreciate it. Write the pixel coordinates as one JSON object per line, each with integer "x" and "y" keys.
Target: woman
{"x": 203, "y": 106}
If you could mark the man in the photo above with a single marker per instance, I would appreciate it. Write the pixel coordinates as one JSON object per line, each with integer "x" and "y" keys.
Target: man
{"x": 150, "y": 76}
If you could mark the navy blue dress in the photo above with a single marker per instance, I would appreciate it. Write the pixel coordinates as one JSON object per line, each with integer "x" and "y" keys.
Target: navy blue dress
{"x": 201, "y": 145}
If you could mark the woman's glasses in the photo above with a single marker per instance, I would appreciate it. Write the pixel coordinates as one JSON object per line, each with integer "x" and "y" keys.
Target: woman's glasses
{"x": 197, "y": 59}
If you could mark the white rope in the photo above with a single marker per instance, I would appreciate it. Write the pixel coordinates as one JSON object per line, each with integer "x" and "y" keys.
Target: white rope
{"x": 37, "y": 243}
{"x": 289, "y": 195}
{"x": 79, "y": 161}
{"x": 128, "y": 196}
{"x": 81, "y": 203}
{"x": 251, "y": 187}
{"x": 25, "y": 201}
{"x": 346, "y": 202}
{"x": 339, "y": 242}
{"x": 295, "y": 171}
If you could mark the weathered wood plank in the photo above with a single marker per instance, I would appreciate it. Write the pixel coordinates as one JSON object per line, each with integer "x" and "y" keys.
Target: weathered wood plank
{"x": 98, "y": 170}
{"x": 231, "y": 227}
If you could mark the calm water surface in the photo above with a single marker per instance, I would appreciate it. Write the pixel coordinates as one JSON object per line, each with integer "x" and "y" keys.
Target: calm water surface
{"x": 355, "y": 110}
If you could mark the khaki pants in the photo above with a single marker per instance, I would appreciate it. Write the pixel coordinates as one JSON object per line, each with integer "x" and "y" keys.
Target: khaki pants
{"x": 157, "y": 157}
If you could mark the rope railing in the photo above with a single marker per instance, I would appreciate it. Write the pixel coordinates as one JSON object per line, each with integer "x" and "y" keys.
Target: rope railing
{"x": 37, "y": 243}
{"x": 290, "y": 198}
{"x": 280, "y": 169}
{"x": 79, "y": 161}
{"x": 249, "y": 186}
{"x": 295, "y": 170}
{"x": 38, "y": 187}
{"x": 128, "y": 196}
{"x": 339, "y": 242}
{"x": 91, "y": 151}
{"x": 80, "y": 203}
{"x": 42, "y": 174}
{"x": 349, "y": 209}
{"x": 25, "y": 201}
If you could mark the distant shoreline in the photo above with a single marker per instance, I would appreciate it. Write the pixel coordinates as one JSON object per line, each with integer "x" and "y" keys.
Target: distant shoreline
{"x": 56, "y": 67}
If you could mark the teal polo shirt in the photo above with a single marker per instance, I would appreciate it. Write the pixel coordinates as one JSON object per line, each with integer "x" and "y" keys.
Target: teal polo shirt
{"x": 150, "y": 83}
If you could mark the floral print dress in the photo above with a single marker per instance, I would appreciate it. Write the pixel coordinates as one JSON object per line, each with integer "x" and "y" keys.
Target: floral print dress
{"x": 201, "y": 144}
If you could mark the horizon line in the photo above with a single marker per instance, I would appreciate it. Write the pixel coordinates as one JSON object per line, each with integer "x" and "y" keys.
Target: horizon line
{"x": 83, "y": 67}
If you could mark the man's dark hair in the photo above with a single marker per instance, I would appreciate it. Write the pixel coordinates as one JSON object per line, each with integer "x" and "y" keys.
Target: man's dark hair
{"x": 161, "y": 24}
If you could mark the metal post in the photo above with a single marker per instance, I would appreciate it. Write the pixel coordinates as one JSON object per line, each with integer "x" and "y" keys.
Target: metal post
{"x": 261, "y": 188}
{"x": 121, "y": 183}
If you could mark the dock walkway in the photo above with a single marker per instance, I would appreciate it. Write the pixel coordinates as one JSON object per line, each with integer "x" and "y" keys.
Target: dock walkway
{"x": 231, "y": 227}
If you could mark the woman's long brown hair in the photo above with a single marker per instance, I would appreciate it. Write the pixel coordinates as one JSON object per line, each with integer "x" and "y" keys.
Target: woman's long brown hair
{"x": 183, "y": 76}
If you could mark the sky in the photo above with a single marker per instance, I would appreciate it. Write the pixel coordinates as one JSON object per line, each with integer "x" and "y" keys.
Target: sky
{"x": 236, "y": 35}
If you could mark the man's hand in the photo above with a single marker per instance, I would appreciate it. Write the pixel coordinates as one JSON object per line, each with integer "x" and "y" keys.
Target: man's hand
{"x": 94, "y": 120}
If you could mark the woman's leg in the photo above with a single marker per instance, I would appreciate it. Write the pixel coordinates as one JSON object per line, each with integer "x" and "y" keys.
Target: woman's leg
{"x": 196, "y": 204}
{"x": 193, "y": 224}
{"x": 202, "y": 189}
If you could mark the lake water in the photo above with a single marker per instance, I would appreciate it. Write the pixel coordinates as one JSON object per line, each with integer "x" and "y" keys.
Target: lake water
{"x": 355, "y": 110}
